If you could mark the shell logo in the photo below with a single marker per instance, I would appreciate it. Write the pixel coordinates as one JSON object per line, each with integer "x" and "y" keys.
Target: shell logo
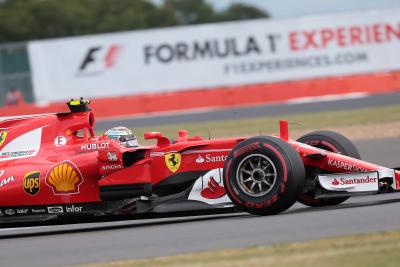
{"x": 64, "y": 178}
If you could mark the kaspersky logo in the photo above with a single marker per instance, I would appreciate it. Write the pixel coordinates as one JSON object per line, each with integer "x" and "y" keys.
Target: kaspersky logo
{"x": 98, "y": 59}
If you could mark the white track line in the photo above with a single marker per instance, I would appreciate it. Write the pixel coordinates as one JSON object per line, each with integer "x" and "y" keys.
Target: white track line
{"x": 23, "y": 228}
{"x": 326, "y": 98}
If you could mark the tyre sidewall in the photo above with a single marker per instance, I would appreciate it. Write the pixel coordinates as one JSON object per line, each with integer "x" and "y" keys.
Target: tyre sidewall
{"x": 284, "y": 191}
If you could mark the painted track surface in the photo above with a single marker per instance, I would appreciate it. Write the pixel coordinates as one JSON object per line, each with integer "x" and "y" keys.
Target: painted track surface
{"x": 99, "y": 242}
{"x": 252, "y": 112}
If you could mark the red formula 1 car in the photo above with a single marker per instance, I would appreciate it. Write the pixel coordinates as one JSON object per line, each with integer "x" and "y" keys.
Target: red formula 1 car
{"x": 53, "y": 166}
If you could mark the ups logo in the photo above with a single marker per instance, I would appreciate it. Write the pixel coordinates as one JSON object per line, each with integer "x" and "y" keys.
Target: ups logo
{"x": 32, "y": 183}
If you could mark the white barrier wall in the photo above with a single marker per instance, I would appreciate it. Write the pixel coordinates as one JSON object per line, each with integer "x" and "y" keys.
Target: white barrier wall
{"x": 222, "y": 54}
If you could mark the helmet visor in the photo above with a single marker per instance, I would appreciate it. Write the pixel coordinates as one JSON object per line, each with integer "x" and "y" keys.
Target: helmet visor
{"x": 130, "y": 143}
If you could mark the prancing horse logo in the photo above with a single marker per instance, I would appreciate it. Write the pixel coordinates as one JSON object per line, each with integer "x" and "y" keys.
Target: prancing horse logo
{"x": 3, "y": 135}
{"x": 173, "y": 161}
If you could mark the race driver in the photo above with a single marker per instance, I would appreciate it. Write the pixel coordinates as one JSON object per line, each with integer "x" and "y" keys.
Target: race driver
{"x": 122, "y": 135}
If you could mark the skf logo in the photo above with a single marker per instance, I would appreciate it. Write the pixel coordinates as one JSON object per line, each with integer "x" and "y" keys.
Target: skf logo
{"x": 64, "y": 178}
{"x": 98, "y": 58}
{"x": 3, "y": 135}
{"x": 173, "y": 161}
{"x": 32, "y": 183}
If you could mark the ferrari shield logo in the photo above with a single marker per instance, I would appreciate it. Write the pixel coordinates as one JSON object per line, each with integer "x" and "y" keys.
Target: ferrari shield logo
{"x": 173, "y": 161}
{"x": 3, "y": 135}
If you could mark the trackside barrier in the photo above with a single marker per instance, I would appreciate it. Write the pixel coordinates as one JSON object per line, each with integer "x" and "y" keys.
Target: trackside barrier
{"x": 224, "y": 97}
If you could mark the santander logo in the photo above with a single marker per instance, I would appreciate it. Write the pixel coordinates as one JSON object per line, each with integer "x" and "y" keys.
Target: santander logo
{"x": 209, "y": 158}
{"x": 353, "y": 181}
{"x": 213, "y": 191}
{"x": 335, "y": 182}
{"x": 200, "y": 159}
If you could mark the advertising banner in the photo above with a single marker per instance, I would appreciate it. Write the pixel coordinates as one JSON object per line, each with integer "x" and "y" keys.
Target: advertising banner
{"x": 212, "y": 55}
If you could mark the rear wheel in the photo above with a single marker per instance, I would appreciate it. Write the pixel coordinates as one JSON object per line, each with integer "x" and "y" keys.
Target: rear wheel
{"x": 263, "y": 175}
{"x": 330, "y": 141}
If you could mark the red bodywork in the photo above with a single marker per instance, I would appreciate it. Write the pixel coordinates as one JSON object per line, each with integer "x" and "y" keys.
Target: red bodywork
{"x": 25, "y": 190}
{"x": 65, "y": 163}
{"x": 68, "y": 140}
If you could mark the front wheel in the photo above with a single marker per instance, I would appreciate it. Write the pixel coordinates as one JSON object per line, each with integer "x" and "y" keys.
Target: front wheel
{"x": 263, "y": 175}
{"x": 330, "y": 141}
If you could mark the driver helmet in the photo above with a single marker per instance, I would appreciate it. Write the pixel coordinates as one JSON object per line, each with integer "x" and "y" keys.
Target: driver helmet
{"x": 122, "y": 135}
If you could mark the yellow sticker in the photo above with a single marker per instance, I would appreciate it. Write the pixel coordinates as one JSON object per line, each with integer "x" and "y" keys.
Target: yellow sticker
{"x": 173, "y": 161}
{"x": 3, "y": 135}
{"x": 64, "y": 179}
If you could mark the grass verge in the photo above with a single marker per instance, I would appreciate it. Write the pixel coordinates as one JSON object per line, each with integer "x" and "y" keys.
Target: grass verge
{"x": 367, "y": 250}
{"x": 265, "y": 125}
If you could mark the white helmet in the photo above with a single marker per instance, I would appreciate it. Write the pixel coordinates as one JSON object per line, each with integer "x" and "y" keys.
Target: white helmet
{"x": 123, "y": 135}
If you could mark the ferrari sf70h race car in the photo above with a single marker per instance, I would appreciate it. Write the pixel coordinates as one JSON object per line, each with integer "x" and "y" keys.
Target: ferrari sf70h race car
{"x": 53, "y": 166}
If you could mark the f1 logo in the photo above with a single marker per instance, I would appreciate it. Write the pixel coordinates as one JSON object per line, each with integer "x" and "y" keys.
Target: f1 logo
{"x": 96, "y": 59}
{"x": 89, "y": 57}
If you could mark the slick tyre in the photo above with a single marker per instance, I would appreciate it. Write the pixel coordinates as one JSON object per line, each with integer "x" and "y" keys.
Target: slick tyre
{"x": 263, "y": 175}
{"x": 331, "y": 141}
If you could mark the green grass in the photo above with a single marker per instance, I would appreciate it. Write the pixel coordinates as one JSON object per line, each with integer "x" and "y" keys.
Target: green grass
{"x": 264, "y": 125}
{"x": 367, "y": 250}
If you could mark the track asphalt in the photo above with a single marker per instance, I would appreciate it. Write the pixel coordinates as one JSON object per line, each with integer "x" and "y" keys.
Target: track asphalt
{"x": 67, "y": 245}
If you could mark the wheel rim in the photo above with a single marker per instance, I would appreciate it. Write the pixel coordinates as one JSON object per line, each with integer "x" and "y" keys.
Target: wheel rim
{"x": 256, "y": 175}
